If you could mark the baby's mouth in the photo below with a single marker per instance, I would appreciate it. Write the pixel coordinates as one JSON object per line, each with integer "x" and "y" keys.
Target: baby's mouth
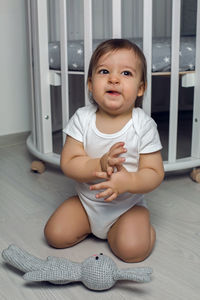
{"x": 113, "y": 93}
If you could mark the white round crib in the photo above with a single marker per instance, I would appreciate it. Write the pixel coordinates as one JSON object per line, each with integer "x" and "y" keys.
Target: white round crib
{"x": 58, "y": 92}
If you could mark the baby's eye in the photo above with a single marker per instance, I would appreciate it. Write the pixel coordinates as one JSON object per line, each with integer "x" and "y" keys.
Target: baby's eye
{"x": 103, "y": 71}
{"x": 127, "y": 73}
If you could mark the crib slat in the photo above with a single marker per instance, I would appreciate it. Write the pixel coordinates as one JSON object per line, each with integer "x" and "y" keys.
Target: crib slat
{"x": 116, "y": 19}
{"x": 43, "y": 100}
{"x": 33, "y": 133}
{"x": 54, "y": 20}
{"x": 64, "y": 64}
{"x": 174, "y": 83}
{"x": 87, "y": 40}
{"x": 147, "y": 49}
{"x": 196, "y": 108}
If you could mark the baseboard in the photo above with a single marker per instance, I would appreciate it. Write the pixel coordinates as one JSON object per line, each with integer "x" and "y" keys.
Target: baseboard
{"x": 13, "y": 139}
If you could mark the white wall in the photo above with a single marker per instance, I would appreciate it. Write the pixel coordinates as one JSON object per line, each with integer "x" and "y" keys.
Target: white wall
{"x": 15, "y": 101}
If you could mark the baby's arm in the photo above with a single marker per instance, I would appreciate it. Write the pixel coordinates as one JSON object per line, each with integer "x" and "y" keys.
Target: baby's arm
{"x": 76, "y": 164}
{"x": 150, "y": 172}
{"x": 149, "y": 175}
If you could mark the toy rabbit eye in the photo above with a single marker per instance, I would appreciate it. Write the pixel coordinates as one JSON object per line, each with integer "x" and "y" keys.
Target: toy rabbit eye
{"x": 96, "y": 257}
{"x": 101, "y": 253}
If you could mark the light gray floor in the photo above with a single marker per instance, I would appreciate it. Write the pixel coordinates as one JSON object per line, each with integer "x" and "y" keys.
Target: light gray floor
{"x": 27, "y": 199}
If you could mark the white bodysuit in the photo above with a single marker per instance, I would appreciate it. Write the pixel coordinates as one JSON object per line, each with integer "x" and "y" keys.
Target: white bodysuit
{"x": 140, "y": 136}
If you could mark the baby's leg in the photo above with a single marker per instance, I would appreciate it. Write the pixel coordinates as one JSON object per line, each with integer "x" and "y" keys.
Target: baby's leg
{"x": 132, "y": 237}
{"x": 68, "y": 225}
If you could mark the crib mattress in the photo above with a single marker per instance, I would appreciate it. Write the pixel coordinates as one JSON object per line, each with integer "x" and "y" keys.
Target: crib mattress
{"x": 161, "y": 54}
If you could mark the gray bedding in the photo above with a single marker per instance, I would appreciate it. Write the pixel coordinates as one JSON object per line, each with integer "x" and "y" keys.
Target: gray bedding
{"x": 161, "y": 54}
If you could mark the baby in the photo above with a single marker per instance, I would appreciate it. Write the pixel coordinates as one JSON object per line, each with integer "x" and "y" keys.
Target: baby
{"x": 112, "y": 150}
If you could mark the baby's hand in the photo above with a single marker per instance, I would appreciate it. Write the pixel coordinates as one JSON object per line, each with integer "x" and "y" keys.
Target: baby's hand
{"x": 111, "y": 159}
{"x": 113, "y": 185}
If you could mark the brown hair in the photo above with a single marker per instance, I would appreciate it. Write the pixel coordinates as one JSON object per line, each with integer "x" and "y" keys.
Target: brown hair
{"x": 113, "y": 45}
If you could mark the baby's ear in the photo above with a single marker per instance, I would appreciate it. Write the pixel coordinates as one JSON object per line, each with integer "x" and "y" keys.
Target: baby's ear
{"x": 142, "y": 89}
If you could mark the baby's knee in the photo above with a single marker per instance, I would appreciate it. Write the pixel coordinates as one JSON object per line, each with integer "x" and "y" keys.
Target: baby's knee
{"x": 53, "y": 236}
{"x": 132, "y": 250}
{"x": 56, "y": 238}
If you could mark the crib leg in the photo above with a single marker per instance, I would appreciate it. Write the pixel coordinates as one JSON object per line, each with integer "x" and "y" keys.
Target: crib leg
{"x": 195, "y": 175}
{"x": 38, "y": 166}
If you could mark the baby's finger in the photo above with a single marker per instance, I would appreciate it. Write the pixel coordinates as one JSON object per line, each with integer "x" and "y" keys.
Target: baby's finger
{"x": 102, "y": 175}
{"x": 117, "y": 145}
{"x": 117, "y": 149}
{"x": 110, "y": 170}
{"x": 116, "y": 161}
{"x": 105, "y": 194}
{"x": 111, "y": 198}
{"x": 99, "y": 186}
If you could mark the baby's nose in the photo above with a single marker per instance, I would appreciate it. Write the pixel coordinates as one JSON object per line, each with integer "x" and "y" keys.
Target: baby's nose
{"x": 114, "y": 78}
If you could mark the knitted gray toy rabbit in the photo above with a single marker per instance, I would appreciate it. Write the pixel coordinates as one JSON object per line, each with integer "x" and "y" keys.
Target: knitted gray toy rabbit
{"x": 98, "y": 272}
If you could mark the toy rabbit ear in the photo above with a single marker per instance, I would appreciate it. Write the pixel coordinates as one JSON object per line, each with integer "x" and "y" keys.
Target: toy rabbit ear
{"x": 21, "y": 260}
{"x": 136, "y": 274}
{"x": 57, "y": 276}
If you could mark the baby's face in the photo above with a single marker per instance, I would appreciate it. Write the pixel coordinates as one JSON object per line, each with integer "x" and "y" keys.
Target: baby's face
{"x": 116, "y": 81}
